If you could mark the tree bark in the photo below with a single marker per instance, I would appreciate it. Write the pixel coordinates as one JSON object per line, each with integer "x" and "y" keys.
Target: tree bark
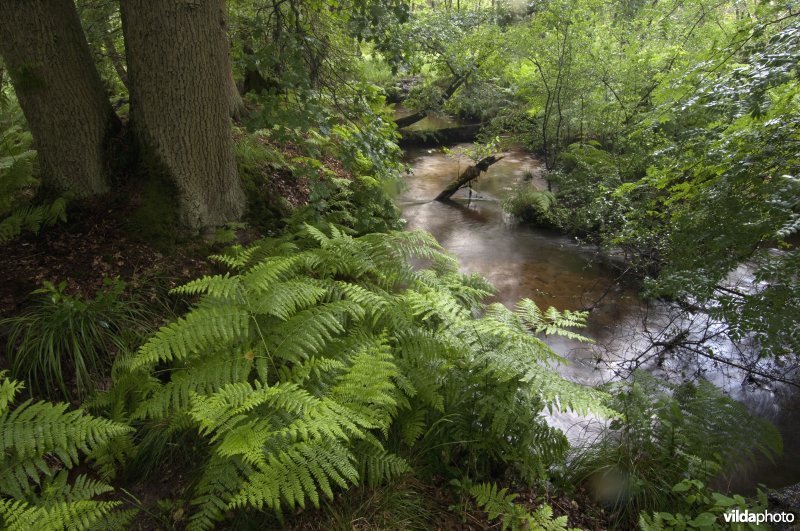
{"x": 473, "y": 172}
{"x": 179, "y": 74}
{"x": 60, "y": 92}
{"x": 235, "y": 101}
{"x": 411, "y": 119}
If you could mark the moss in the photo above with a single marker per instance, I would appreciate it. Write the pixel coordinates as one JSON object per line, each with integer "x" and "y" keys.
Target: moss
{"x": 256, "y": 162}
{"x": 156, "y": 217}
{"x": 27, "y": 77}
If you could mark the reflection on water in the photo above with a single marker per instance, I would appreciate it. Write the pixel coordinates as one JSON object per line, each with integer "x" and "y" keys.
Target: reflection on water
{"x": 554, "y": 270}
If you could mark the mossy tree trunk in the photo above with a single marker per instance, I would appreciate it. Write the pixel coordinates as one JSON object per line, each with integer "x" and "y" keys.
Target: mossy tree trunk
{"x": 179, "y": 74}
{"x": 60, "y": 92}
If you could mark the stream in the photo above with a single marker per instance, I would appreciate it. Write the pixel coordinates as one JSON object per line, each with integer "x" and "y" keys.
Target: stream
{"x": 556, "y": 270}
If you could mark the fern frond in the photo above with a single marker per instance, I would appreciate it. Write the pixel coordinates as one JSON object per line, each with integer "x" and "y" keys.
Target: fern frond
{"x": 263, "y": 276}
{"x": 221, "y": 478}
{"x": 499, "y": 503}
{"x": 204, "y": 327}
{"x": 307, "y": 332}
{"x": 205, "y": 377}
{"x": 222, "y": 287}
{"x": 8, "y": 391}
{"x": 78, "y": 515}
{"x": 377, "y": 466}
{"x": 34, "y": 430}
{"x": 58, "y": 489}
{"x": 284, "y": 299}
{"x": 236, "y": 257}
{"x": 309, "y": 468}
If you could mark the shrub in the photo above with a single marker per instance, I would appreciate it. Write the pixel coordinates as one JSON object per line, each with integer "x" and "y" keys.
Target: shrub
{"x": 531, "y": 205}
{"x": 18, "y": 186}
{"x": 500, "y": 504}
{"x": 585, "y": 184}
{"x": 702, "y": 509}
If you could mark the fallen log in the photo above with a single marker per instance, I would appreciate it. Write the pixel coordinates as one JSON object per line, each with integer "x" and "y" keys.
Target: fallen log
{"x": 451, "y": 89}
{"x": 440, "y": 137}
{"x": 411, "y": 119}
{"x": 473, "y": 172}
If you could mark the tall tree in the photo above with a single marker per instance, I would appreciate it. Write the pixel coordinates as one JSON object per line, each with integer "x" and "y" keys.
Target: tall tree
{"x": 235, "y": 102}
{"x": 179, "y": 73}
{"x": 60, "y": 92}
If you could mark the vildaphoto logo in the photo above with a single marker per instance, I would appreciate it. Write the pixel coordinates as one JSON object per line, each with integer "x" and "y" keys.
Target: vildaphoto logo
{"x": 747, "y": 517}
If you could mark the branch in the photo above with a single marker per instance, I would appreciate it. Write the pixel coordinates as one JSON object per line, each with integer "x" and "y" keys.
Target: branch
{"x": 473, "y": 172}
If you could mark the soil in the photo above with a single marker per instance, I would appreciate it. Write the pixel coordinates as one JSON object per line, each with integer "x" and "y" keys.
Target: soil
{"x": 94, "y": 245}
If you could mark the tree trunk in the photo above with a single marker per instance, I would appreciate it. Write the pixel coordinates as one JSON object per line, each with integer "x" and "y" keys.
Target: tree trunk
{"x": 473, "y": 172}
{"x": 60, "y": 92}
{"x": 179, "y": 74}
{"x": 236, "y": 106}
{"x": 235, "y": 101}
{"x": 116, "y": 58}
{"x": 411, "y": 119}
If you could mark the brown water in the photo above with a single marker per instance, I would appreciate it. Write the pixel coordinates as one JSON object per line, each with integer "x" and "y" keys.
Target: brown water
{"x": 555, "y": 270}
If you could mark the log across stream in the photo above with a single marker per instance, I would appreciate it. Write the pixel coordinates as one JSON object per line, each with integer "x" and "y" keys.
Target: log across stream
{"x": 553, "y": 269}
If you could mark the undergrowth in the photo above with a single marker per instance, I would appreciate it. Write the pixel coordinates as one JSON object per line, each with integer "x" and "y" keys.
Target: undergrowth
{"x": 65, "y": 344}
{"x": 328, "y": 361}
{"x": 666, "y": 434}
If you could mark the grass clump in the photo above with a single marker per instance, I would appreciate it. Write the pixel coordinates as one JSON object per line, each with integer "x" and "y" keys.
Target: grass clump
{"x": 64, "y": 344}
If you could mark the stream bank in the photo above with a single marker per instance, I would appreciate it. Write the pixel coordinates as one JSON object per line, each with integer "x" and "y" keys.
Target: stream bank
{"x": 556, "y": 270}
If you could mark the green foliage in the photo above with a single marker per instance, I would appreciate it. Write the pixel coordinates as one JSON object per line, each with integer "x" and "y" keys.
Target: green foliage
{"x": 401, "y": 504}
{"x": 666, "y": 127}
{"x": 531, "y": 205}
{"x": 18, "y": 186}
{"x": 350, "y": 175}
{"x": 64, "y": 344}
{"x": 498, "y": 503}
{"x": 702, "y": 509}
{"x": 727, "y": 182}
{"x": 257, "y": 161}
{"x": 328, "y": 361}
{"x": 667, "y": 433}
{"x": 39, "y": 443}
{"x": 586, "y": 180}
{"x": 475, "y": 151}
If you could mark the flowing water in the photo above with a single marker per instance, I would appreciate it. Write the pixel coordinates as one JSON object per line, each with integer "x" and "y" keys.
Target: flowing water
{"x": 555, "y": 270}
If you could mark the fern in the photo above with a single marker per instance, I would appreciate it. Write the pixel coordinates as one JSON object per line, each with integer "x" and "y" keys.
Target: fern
{"x": 18, "y": 182}
{"x": 206, "y": 326}
{"x": 36, "y": 440}
{"x": 79, "y": 514}
{"x": 329, "y": 361}
{"x": 498, "y": 503}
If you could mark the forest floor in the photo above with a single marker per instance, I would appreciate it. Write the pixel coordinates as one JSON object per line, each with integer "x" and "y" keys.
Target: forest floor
{"x": 99, "y": 243}
{"x": 95, "y": 245}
